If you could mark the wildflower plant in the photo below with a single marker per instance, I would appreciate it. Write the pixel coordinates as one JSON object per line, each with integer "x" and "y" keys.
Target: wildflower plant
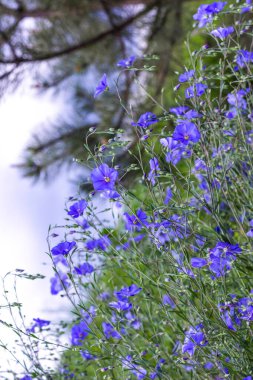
{"x": 164, "y": 289}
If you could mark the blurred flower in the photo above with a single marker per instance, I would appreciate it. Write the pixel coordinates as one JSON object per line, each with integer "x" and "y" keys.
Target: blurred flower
{"x": 128, "y": 62}
{"x": 63, "y": 248}
{"x": 79, "y": 332}
{"x": 102, "y": 86}
{"x": 146, "y": 120}
{"x": 222, "y": 32}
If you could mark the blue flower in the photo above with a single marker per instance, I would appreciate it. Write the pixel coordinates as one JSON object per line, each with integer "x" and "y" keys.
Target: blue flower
{"x": 206, "y": 12}
{"x": 186, "y": 132}
{"x": 128, "y": 62}
{"x": 102, "y": 86}
{"x": 179, "y": 111}
{"x": 198, "y": 262}
{"x": 109, "y": 331}
{"x": 146, "y": 120}
{"x": 176, "y": 150}
{"x": 84, "y": 269}
{"x": 135, "y": 221}
{"x": 194, "y": 337}
{"x": 121, "y": 305}
{"x": 104, "y": 177}
{"x": 79, "y": 332}
{"x": 167, "y": 300}
{"x": 223, "y": 32}
{"x": 39, "y": 323}
{"x": 168, "y": 196}
{"x": 59, "y": 282}
{"x": 87, "y": 355}
{"x": 186, "y": 76}
{"x": 77, "y": 208}
{"x": 63, "y": 248}
{"x": 101, "y": 243}
{"x": 243, "y": 57}
{"x": 196, "y": 90}
{"x": 221, "y": 257}
{"x": 154, "y": 168}
{"x": 130, "y": 291}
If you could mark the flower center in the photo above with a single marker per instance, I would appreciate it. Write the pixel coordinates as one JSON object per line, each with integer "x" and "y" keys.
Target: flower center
{"x": 186, "y": 137}
{"x": 107, "y": 179}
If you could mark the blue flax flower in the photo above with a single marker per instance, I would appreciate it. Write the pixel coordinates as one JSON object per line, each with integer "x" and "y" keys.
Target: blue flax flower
{"x": 167, "y": 300}
{"x": 101, "y": 243}
{"x": 87, "y": 355}
{"x": 104, "y": 177}
{"x": 176, "y": 150}
{"x": 186, "y": 132}
{"x": 128, "y": 62}
{"x": 79, "y": 332}
{"x": 186, "y": 76}
{"x": 77, "y": 208}
{"x": 135, "y": 221}
{"x": 121, "y": 305}
{"x": 129, "y": 291}
{"x": 243, "y": 57}
{"x": 168, "y": 196}
{"x": 206, "y": 12}
{"x": 26, "y": 377}
{"x": 197, "y": 89}
{"x": 179, "y": 111}
{"x": 84, "y": 269}
{"x": 59, "y": 282}
{"x": 39, "y": 323}
{"x": 63, "y": 248}
{"x": 222, "y": 33}
{"x": 146, "y": 120}
{"x": 109, "y": 331}
{"x": 102, "y": 86}
{"x": 154, "y": 168}
{"x": 194, "y": 337}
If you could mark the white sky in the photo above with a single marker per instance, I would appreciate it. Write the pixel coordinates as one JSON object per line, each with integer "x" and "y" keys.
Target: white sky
{"x": 27, "y": 210}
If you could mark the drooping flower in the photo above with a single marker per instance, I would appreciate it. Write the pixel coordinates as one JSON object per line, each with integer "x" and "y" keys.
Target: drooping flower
{"x": 197, "y": 89}
{"x": 146, "y": 120}
{"x": 128, "y": 62}
{"x": 222, "y": 33}
{"x": 79, "y": 332}
{"x": 102, "y": 86}
{"x": 77, "y": 208}
{"x": 63, "y": 248}
{"x": 194, "y": 337}
{"x": 186, "y": 132}
{"x": 104, "y": 177}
